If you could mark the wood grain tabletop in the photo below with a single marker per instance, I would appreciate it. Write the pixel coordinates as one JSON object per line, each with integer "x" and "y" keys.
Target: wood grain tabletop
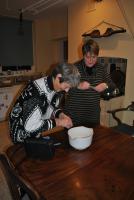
{"x": 104, "y": 171}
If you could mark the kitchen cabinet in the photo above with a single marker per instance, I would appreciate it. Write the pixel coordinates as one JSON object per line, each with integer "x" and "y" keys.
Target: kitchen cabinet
{"x": 18, "y": 48}
{"x": 106, "y": 119}
{"x": 9, "y": 88}
{"x": 7, "y": 96}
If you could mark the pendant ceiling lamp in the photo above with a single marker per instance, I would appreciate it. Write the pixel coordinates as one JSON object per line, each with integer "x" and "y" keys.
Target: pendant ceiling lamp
{"x": 20, "y": 29}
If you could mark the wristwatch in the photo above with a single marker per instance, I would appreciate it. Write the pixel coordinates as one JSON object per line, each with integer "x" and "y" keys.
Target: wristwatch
{"x": 106, "y": 86}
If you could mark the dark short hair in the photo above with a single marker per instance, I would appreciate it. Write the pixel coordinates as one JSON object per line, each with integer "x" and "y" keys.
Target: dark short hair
{"x": 69, "y": 72}
{"x": 90, "y": 46}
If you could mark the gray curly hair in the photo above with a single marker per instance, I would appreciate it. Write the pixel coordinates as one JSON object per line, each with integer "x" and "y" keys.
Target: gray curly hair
{"x": 69, "y": 72}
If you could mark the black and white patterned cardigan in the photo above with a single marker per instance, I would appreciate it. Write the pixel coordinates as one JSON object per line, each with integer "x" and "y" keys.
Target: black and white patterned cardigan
{"x": 35, "y": 110}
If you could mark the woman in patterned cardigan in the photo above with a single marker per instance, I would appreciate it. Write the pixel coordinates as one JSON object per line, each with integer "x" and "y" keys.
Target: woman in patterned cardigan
{"x": 37, "y": 108}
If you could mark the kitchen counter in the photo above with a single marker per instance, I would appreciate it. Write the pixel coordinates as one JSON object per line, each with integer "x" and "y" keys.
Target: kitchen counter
{"x": 9, "y": 81}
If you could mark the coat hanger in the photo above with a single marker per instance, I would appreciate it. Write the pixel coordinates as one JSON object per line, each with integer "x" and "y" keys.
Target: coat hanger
{"x": 96, "y": 33}
{"x": 94, "y": 27}
{"x": 113, "y": 25}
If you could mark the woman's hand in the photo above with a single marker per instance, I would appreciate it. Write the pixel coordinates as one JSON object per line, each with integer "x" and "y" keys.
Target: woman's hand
{"x": 101, "y": 87}
{"x": 84, "y": 85}
{"x": 64, "y": 121}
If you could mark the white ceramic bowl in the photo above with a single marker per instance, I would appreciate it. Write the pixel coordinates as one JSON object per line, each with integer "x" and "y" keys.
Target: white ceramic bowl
{"x": 80, "y": 137}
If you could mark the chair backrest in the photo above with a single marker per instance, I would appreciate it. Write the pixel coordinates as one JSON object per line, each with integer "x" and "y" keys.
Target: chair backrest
{"x": 5, "y": 192}
{"x": 7, "y": 171}
{"x": 115, "y": 111}
{"x": 17, "y": 184}
{"x": 123, "y": 127}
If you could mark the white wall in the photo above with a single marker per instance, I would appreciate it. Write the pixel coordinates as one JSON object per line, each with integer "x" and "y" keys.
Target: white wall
{"x": 83, "y": 15}
{"x": 49, "y": 33}
{"x": 82, "y": 19}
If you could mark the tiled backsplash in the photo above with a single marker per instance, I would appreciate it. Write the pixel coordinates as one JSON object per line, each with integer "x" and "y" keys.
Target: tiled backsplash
{"x": 120, "y": 63}
{"x": 117, "y": 67}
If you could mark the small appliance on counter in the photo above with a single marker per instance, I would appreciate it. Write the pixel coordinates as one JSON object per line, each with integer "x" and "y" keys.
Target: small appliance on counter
{"x": 40, "y": 148}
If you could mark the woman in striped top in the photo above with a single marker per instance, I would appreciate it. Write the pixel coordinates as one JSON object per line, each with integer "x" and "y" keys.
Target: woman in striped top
{"x": 82, "y": 104}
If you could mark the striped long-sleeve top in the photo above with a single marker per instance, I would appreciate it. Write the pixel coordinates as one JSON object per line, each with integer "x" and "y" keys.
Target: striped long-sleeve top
{"x": 83, "y": 106}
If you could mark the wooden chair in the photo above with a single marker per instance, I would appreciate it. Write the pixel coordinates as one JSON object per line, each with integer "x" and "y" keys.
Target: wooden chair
{"x": 122, "y": 127}
{"x": 17, "y": 184}
{"x": 4, "y": 188}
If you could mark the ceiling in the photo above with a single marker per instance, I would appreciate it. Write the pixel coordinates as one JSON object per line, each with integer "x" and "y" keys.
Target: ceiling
{"x": 32, "y": 9}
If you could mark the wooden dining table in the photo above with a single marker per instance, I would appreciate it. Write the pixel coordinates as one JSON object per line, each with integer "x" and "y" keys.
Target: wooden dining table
{"x": 103, "y": 171}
